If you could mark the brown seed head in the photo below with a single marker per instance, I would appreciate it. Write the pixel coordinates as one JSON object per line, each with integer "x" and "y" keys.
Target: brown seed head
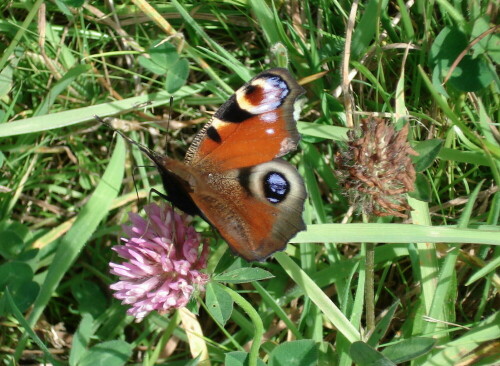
{"x": 376, "y": 168}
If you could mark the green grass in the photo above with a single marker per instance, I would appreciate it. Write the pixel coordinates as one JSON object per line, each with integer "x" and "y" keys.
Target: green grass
{"x": 66, "y": 182}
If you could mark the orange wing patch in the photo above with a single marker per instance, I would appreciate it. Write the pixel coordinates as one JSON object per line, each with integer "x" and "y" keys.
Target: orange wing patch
{"x": 254, "y": 126}
{"x": 259, "y": 139}
{"x": 245, "y": 223}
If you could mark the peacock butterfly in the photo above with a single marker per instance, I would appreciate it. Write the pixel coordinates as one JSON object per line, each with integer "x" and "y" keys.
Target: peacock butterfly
{"x": 233, "y": 176}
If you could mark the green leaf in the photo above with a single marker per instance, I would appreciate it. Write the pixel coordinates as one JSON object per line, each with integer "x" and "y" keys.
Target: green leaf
{"x": 193, "y": 362}
{"x": 489, "y": 44}
{"x": 471, "y": 74}
{"x": 243, "y": 275}
{"x": 422, "y": 191}
{"x": 28, "y": 255}
{"x": 446, "y": 48}
{"x": 463, "y": 130}
{"x": 219, "y": 302}
{"x": 85, "y": 182}
{"x": 18, "y": 278}
{"x": 13, "y": 272}
{"x": 383, "y": 325}
{"x": 320, "y": 299}
{"x": 295, "y": 353}
{"x": 81, "y": 339}
{"x": 11, "y": 244}
{"x": 428, "y": 150}
{"x": 19, "y": 228}
{"x": 239, "y": 358}
{"x": 164, "y": 54}
{"x": 177, "y": 75}
{"x": 409, "y": 349}
{"x": 150, "y": 65}
{"x": 111, "y": 353}
{"x": 161, "y": 58}
{"x": 328, "y": 356}
{"x": 365, "y": 29}
{"x": 468, "y": 211}
{"x": 229, "y": 263}
{"x": 24, "y": 293}
{"x": 90, "y": 297}
{"x": 493, "y": 47}
{"x": 364, "y": 355}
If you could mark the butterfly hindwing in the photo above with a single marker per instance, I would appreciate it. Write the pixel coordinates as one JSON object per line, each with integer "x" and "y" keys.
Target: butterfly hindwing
{"x": 257, "y": 210}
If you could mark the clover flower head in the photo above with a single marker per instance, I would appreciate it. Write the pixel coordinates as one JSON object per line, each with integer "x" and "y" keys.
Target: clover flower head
{"x": 162, "y": 262}
{"x": 377, "y": 169}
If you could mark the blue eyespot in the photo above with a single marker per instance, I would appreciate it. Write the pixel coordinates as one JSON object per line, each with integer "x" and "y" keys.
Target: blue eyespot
{"x": 276, "y": 187}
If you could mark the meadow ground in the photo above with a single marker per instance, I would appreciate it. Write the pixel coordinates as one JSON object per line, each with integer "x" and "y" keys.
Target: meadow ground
{"x": 381, "y": 276}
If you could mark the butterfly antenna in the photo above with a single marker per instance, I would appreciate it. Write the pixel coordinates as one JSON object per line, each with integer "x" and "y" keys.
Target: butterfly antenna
{"x": 168, "y": 122}
{"x": 154, "y": 156}
{"x": 133, "y": 177}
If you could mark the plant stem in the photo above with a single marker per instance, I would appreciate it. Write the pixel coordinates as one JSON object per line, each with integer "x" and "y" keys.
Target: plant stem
{"x": 257, "y": 321}
{"x": 369, "y": 287}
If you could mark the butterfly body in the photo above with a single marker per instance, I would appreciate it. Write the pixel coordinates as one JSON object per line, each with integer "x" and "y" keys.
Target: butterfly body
{"x": 233, "y": 175}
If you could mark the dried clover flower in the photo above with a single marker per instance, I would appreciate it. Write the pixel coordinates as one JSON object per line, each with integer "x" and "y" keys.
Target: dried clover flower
{"x": 376, "y": 168}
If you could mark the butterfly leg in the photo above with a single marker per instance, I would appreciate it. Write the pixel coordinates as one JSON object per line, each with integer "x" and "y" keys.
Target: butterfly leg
{"x": 162, "y": 195}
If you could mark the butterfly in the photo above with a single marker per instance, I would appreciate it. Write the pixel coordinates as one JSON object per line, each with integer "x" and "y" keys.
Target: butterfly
{"x": 233, "y": 175}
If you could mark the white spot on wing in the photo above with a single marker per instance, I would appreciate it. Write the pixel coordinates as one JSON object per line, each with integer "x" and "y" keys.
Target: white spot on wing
{"x": 269, "y": 117}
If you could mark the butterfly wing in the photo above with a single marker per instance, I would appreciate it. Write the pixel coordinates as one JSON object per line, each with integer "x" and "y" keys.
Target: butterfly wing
{"x": 254, "y": 126}
{"x": 231, "y": 176}
{"x": 257, "y": 210}
{"x": 253, "y": 199}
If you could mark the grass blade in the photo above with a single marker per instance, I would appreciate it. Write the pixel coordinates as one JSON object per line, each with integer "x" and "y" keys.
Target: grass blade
{"x": 394, "y": 233}
{"x": 322, "y": 301}
{"x": 87, "y": 221}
